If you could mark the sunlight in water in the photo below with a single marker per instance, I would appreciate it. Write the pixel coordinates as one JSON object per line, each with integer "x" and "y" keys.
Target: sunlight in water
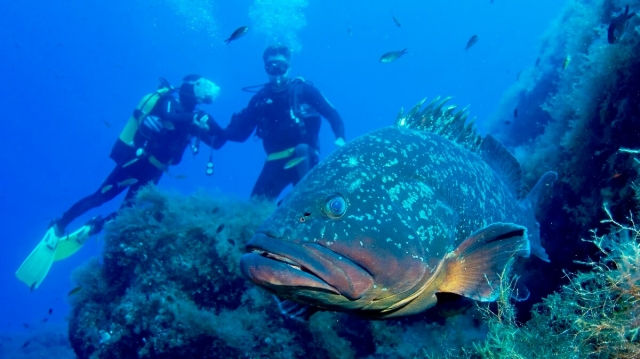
{"x": 279, "y": 20}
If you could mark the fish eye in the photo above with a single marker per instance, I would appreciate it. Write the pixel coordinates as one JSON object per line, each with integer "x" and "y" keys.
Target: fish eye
{"x": 335, "y": 206}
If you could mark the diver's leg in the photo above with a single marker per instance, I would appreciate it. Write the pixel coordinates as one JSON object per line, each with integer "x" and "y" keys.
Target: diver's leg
{"x": 272, "y": 180}
{"x": 310, "y": 160}
{"x": 148, "y": 175}
{"x": 107, "y": 191}
{"x": 145, "y": 174}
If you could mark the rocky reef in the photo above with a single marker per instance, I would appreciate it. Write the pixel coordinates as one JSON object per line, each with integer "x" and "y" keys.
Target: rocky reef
{"x": 169, "y": 286}
{"x": 578, "y": 106}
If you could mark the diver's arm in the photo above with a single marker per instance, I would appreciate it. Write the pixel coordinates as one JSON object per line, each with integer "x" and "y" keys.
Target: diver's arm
{"x": 243, "y": 123}
{"x": 214, "y": 137}
{"x": 317, "y": 100}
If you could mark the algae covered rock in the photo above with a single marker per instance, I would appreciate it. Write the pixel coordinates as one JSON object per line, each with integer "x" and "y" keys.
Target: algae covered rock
{"x": 169, "y": 286}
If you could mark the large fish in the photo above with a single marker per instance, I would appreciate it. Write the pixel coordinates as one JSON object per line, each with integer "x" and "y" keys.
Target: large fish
{"x": 396, "y": 216}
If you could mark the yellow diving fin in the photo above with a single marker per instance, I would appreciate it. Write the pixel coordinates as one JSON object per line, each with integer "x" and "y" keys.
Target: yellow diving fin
{"x": 70, "y": 244}
{"x": 35, "y": 268}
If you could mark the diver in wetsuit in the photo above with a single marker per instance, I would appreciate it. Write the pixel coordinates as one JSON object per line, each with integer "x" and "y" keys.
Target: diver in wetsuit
{"x": 286, "y": 114}
{"x": 156, "y": 136}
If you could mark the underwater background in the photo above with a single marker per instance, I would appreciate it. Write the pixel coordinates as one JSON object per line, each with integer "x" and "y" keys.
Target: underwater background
{"x": 74, "y": 71}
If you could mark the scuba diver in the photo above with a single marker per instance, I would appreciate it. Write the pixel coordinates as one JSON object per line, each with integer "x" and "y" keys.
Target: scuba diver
{"x": 155, "y": 137}
{"x": 286, "y": 115}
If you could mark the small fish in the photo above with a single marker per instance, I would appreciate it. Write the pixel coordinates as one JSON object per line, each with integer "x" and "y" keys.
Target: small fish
{"x": 180, "y": 176}
{"x": 537, "y": 62}
{"x": 74, "y": 291}
{"x": 106, "y": 188}
{"x": 44, "y": 320}
{"x": 26, "y": 344}
{"x": 392, "y": 56}
{"x": 395, "y": 19}
{"x": 128, "y": 182}
{"x": 106, "y": 123}
{"x": 507, "y": 122}
{"x": 240, "y": 32}
{"x": 231, "y": 241}
{"x": 616, "y": 175}
{"x": 515, "y": 113}
{"x": 472, "y": 41}
{"x": 294, "y": 162}
{"x": 26, "y": 325}
{"x": 168, "y": 125}
{"x": 215, "y": 210}
{"x": 50, "y": 311}
{"x": 618, "y": 25}
{"x": 566, "y": 62}
{"x": 220, "y": 228}
{"x": 349, "y": 31}
{"x": 518, "y": 75}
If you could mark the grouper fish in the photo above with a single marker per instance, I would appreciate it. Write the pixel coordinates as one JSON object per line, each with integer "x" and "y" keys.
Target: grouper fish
{"x": 384, "y": 224}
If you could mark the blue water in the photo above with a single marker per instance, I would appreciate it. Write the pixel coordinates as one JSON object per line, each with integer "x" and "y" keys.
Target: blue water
{"x": 70, "y": 66}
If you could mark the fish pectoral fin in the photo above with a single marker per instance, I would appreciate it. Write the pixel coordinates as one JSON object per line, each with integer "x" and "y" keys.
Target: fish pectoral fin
{"x": 476, "y": 267}
{"x": 293, "y": 310}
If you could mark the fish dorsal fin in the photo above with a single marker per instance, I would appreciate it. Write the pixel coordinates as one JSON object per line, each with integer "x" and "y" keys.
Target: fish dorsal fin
{"x": 443, "y": 120}
{"x": 503, "y": 163}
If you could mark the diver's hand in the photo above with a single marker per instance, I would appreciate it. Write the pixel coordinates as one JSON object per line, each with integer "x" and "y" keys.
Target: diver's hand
{"x": 153, "y": 123}
{"x": 201, "y": 120}
{"x": 340, "y": 142}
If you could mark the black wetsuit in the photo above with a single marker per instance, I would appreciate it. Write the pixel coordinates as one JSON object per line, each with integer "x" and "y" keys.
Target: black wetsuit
{"x": 273, "y": 115}
{"x": 161, "y": 149}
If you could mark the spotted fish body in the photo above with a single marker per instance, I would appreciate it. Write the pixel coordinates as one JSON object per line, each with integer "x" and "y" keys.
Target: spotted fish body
{"x": 428, "y": 208}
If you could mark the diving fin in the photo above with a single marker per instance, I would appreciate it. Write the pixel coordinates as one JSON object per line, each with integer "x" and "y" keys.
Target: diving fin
{"x": 35, "y": 268}
{"x": 71, "y": 243}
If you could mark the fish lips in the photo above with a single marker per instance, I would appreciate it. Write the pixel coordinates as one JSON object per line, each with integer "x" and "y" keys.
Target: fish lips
{"x": 283, "y": 265}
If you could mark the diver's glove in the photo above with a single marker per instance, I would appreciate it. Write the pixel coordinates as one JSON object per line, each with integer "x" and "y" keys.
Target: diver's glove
{"x": 340, "y": 142}
{"x": 153, "y": 123}
{"x": 201, "y": 120}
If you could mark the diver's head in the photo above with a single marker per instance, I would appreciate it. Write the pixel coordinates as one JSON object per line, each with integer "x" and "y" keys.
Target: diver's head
{"x": 276, "y": 64}
{"x": 195, "y": 89}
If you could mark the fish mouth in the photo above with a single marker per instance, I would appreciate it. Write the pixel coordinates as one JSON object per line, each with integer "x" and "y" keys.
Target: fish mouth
{"x": 286, "y": 266}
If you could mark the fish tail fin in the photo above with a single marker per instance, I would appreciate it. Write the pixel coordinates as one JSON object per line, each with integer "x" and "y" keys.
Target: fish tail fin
{"x": 474, "y": 269}
{"x": 531, "y": 201}
{"x": 404, "y": 51}
{"x": 227, "y": 41}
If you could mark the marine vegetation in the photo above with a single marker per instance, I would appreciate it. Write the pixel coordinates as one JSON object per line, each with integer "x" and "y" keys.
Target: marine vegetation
{"x": 595, "y": 315}
{"x": 575, "y": 121}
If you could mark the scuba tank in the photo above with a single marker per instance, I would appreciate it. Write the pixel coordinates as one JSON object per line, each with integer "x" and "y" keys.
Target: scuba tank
{"x": 125, "y": 147}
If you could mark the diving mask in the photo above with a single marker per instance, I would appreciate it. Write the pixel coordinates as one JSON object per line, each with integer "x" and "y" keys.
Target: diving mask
{"x": 276, "y": 68}
{"x": 205, "y": 90}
